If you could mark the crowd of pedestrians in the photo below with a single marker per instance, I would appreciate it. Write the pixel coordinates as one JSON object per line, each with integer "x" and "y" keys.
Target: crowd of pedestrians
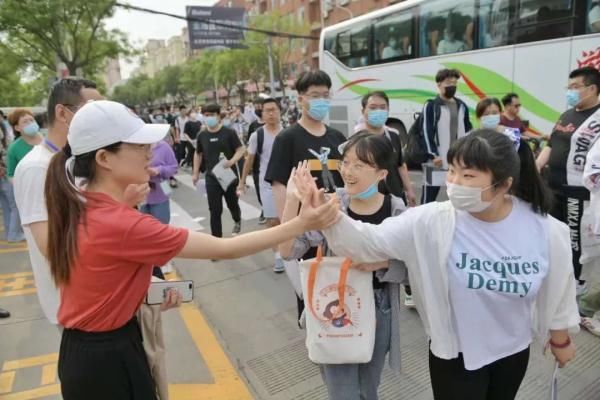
{"x": 489, "y": 271}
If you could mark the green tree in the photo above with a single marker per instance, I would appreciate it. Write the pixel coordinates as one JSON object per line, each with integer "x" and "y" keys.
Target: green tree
{"x": 13, "y": 90}
{"x": 41, "y": 32}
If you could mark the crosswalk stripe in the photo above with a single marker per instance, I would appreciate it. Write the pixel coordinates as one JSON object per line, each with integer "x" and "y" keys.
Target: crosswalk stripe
{"x": 181, "y": 219}
{"x": 249, "y": 211}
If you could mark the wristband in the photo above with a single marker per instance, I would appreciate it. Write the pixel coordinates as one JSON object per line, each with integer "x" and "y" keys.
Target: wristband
{"x": 560, "y": 346}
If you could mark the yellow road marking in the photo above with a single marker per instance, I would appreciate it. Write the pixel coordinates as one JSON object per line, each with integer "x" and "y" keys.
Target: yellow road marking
{"x": 15, "y": 275}
{"x": 15, "y": 250}
{"x": 6, "y": 381}
{"x": 6, "y": 243}
{"x": 18, "y": 283}
{"x": 18, "y": 292}
{"x": 49, "y": 374}
{"x": 37, "y": 393}
{"x": 228, "y": 385}
{"x": 30, "y": 362}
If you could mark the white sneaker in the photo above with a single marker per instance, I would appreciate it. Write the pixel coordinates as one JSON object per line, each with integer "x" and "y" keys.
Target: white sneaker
{"x": 408, "y": 301}
{"x": 279, "y": 266}
{"x": 581, "y": 288}
{"x": 592, "y": 325}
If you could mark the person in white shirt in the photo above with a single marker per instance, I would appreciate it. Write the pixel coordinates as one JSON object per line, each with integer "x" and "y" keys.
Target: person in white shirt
{"x": 66, "y": 97}
{"x": 449, "y": 44}
{"x": 260, "y": 145}
{"x": 489, "y": 268}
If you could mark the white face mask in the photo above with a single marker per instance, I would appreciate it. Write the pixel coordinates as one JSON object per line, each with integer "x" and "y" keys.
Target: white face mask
{"x": 467, "y": 198}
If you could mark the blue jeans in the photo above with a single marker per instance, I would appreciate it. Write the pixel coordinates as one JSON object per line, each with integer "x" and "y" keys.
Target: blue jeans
{"x": 160, "y": 211}
{"x": 361, "y": 381}
{"x": 13, "y": 231}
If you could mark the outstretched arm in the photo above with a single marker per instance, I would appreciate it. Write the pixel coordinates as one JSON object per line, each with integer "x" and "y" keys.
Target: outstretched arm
{"x": 204, "y": 246}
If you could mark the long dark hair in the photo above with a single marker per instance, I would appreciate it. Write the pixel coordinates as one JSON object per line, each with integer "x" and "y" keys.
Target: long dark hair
{"x": 66, "y": 209}
{"x": 488, "y": 150}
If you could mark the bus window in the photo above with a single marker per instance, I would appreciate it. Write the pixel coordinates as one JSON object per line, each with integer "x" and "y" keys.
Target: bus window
{"x": 352, "y": 47}
{"x": 493, "y": 23}
{"x": 593, "y": 16}
{"x": 446, "y": 27}
{"x": 544, "y": 19}
{"x": 394, "y": 37}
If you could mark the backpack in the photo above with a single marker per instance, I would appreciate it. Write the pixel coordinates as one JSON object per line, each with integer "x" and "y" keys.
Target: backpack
{"x": 415, "y": 153}
{"x": 260, "y": 139}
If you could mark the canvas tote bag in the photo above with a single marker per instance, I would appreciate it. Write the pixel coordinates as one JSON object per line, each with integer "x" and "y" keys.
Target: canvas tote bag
{"x": 340, "y": 317}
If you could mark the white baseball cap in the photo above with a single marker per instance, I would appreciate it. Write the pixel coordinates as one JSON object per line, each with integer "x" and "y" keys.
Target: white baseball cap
{"x": 101, "y": 123}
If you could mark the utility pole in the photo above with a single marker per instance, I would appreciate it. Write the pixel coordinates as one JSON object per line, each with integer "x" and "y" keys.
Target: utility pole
{"x": 271, "y": 72}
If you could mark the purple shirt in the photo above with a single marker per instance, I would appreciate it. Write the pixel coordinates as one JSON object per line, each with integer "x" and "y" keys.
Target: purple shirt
{"x": 163, "y": 158}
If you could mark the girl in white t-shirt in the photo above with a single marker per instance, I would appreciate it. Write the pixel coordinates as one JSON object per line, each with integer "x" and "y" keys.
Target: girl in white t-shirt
{"x": 490, "y": 269}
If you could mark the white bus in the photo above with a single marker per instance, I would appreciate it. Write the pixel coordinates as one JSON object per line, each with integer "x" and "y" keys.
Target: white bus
{"x": 499, "y": 46}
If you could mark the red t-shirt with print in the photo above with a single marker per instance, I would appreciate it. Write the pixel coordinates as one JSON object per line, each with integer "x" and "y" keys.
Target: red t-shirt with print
{"x": 118, "y": 247}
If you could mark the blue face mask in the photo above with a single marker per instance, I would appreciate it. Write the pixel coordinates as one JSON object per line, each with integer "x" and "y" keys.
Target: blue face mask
{"x": 226, "y": 122}
{"x": 368, "y": 192}
{"x": 377, "y": 118}
{"x": 211, "y": 121}
{"x": 490, "y": 121}
{"x": 573, "y": 97}
{"x": 318, "y": 109}
{"x": 31, "y": 129}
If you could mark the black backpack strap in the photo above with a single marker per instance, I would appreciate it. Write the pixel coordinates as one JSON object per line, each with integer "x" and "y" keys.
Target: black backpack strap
{"x": 260, "y": 140}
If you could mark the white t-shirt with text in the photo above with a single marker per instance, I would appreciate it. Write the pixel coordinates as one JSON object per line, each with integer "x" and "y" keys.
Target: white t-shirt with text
{"x": 494, "y": 277}
{"x": 29, "y": 182}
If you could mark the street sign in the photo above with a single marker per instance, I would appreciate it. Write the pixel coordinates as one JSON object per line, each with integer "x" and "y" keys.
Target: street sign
{"x": 206, "y": 33}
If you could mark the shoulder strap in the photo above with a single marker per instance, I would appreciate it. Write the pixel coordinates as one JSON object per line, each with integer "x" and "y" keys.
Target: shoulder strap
{"x": 394, "y": 138}
{"x": 260, "y": 139}
{"x": 312, "y": 279}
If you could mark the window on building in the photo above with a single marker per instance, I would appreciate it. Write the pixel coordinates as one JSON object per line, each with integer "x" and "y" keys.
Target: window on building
{"x": 301, "y": 14}
{"x": 393, "y": 36}
{"x": 543, "y": 20}
{"x": 446, "y": 26}
{"x": 494, "y": 26}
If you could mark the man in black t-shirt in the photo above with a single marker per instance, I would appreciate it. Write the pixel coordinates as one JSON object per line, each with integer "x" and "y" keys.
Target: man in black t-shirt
{"x": 212, "y": 143}
{"x": 301, "y": 141}
{"x": 582, "y": 96}
{"x": 190, "y": 131}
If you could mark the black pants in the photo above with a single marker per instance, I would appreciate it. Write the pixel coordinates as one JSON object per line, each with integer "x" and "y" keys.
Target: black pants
{"x": 189, "y": 153}
{"x": 215, "y": 194}
{"x": 429, "y": 194}
{"x": 256, "y": 179}
{"x": 179, "y": 149}
{"x": 497, "y": 381}
{"x": 105, "y": 365}
{"x": 568, "y": 208}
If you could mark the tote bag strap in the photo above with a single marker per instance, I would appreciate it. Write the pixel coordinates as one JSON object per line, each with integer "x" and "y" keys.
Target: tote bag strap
{"x": 312, "y": 279}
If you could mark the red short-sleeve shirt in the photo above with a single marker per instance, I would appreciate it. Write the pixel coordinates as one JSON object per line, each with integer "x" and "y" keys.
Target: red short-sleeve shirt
{"x": 118, "y": 246}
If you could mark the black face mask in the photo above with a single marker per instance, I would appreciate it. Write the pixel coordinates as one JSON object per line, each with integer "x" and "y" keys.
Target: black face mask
{"x": 258, "y": 113}
{"x": 449, "y": 91}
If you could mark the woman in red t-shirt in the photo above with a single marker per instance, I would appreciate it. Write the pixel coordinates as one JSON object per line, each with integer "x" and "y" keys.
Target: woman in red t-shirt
{"x": 101, "y": 251}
